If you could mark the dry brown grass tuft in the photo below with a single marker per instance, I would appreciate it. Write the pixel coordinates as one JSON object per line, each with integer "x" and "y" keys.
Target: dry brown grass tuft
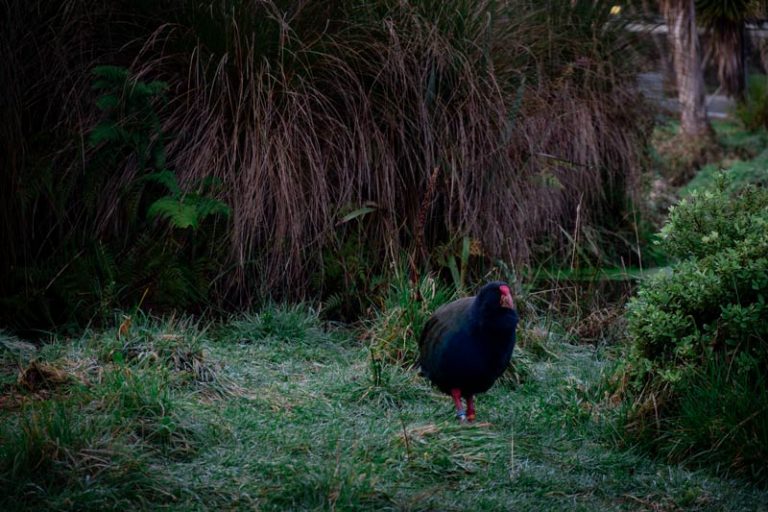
{"x": 306, "y": 110}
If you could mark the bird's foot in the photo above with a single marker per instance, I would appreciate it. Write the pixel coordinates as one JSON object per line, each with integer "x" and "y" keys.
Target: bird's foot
{"x": 471, "y": 408}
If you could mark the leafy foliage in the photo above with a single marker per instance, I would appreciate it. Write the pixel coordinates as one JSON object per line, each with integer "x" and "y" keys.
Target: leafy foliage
{"x": 131, "y": 118}
{"x": 350, "y": 275}
{"x": 83, "y": 277}
{"x": 183, "y": 210}
{"x": 701, "y": 332}
{"x": 752, "y": 110}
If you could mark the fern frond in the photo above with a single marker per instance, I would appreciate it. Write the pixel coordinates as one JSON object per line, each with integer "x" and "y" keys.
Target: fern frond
{"x": 107, "y": 102}
{"x": 107, "y": 131}
{"x": 159, "y": 155}
{"x": 111, "y": 73}
{"x": 151, "y": 89}
{"x": 177, "y": 212}
{"x": 167, "y": 178}
{"x": 211, "y": 183}
{"x": 207, "y": 206}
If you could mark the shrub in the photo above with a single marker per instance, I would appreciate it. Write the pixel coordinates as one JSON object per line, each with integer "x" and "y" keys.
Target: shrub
{"x": 699, "y": 334}
{"x": 147, "y": 241}
{"x": 753, "y": 109}
{"x": 295, "y": 324}
{"x": 681, "y": 156}
{"x": 740, "y": 173}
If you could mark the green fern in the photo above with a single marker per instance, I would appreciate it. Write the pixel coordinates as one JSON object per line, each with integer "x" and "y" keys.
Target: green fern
{"x": 179, "y": 214}
{"x": 108, "y": 76}
{"x": 182, "y": 211}
{"x": 166, "y": 178}
{"x": 108, "y": 102}
{"x": 131, "y": 120}
{"x": 209, "y": 206}
{"x": 107, "y": 132}
{"x": 187, "y": 211}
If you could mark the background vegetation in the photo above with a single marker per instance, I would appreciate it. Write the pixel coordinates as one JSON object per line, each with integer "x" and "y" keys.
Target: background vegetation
{"x": 334, "y": 134}
{"x": 194, "y": 193}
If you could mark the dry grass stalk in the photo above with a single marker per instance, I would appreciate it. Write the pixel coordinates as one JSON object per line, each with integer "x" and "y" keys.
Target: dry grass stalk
{"x": 301, "y": 120}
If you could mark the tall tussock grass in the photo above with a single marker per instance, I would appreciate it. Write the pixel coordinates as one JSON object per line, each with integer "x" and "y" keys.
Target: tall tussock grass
{"x": 324, "y": 123}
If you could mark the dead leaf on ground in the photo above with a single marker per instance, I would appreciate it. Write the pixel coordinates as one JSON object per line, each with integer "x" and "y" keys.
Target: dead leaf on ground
{"x": 12, "y": 401}
{"x": 125, "y": 326}
{"x": 39, "y": 375}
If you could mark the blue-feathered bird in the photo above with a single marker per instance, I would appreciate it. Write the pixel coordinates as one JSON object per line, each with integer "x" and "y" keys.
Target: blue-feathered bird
{"x": 467, "y": 344}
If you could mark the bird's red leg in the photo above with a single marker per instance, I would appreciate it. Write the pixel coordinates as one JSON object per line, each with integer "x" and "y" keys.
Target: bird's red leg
{"x": 460, "y": 412}
{"x": 471, "y": 408}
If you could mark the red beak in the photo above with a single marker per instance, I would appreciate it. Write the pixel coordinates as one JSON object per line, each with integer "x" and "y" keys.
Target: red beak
{"x": 506, "y": 297}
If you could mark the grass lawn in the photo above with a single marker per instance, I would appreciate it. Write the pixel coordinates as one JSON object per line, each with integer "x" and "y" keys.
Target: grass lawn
{"x": 279, "y": 412}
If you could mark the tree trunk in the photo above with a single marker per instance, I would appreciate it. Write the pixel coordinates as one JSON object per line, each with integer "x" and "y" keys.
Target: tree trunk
{"x": 686, "y": 56}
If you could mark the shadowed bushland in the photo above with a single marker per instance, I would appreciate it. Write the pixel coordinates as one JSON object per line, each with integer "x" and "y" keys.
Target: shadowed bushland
{"x": 323, "y": 124}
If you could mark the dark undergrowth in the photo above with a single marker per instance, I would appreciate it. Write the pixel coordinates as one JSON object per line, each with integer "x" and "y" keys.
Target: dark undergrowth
{"x": 183, "y": 154}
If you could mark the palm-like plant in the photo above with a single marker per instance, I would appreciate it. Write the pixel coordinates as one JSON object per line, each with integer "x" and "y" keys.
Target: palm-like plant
{"x": 725, "y": 20}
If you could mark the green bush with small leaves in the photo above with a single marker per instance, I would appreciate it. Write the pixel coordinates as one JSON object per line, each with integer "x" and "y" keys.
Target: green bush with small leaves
{"x": 752, "y": 111}
{"x": 699, "y": 335}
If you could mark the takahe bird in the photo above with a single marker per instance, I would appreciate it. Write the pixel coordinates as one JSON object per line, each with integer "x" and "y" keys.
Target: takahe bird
{"x": 467, "y": 344}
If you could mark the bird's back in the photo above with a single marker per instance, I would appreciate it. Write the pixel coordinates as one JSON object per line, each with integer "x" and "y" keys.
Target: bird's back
{"x": 445, "y": 323}
{"x": 457, "y": 353}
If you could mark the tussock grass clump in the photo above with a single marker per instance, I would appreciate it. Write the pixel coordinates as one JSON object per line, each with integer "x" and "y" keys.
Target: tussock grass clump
{"x": 173, "y": 344}
{"x": 85, "y": 422}
{"x": 93, "y": 444}
{"x": 142, "y": 338}
{"x": 395, "y": 330}
{"x": 321, "y": 124}
{"x": 384, "y": 385}
{"x": 286, "y": 323}
{"x": 55, "y": 450}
